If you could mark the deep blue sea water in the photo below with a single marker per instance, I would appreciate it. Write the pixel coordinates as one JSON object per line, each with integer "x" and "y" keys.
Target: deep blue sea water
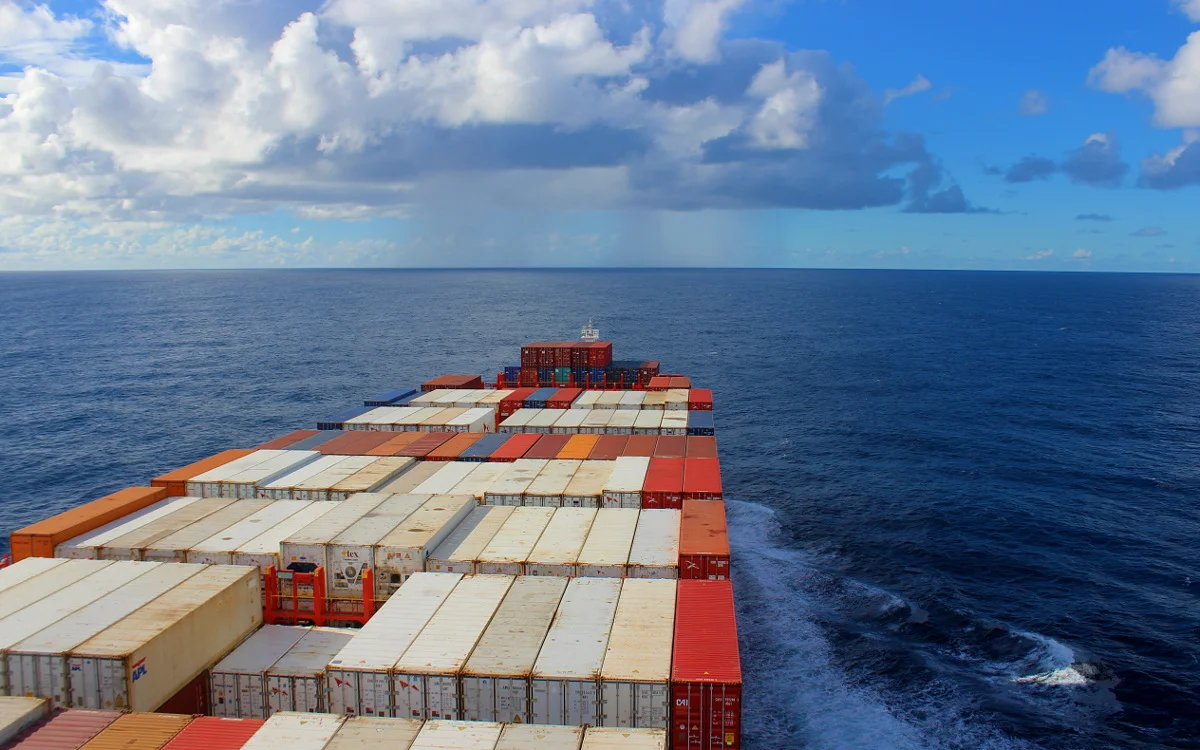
{"x": 965, "y": 506}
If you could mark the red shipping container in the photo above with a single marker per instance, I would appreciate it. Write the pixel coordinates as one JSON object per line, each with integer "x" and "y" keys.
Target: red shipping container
{"x": 456, "y": 382}
{"x": 64, "y": 730}
{"x": 701, "y": 446}
{"x": 562, "y": 355}
{"x": 563, "y": 397}
{"x": 513, "y": 401}
{"x": 214, "y": 733}
{"x": 671, "y": 446}
{"x": 641, "y": 445}
{"x": 547, "y": 446}
{"x": 700, "y": 399}
{"x": 659, "y": 383}
{"x": 706, "y": 669}
{"x": 515, "y": 447}
{"x": 600, "y": 354}
{"x": 663, "y": 487}
{"x": 422, "y": 446}
{"x": 703, "y": 541}
{"x": 701, "y": 479}
{"x": 528, "y": 378}
{"x": 680, "y": 381}
{"x": 453, "y": 448}
{"x": 284, "y": 441}
{"x": 609, "y": 447}
{"x": 192, "y": 698}
{"x": 354, "y": 443}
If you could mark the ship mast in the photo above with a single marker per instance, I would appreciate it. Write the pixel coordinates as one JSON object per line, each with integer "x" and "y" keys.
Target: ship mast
{"x": 590, "y": 333}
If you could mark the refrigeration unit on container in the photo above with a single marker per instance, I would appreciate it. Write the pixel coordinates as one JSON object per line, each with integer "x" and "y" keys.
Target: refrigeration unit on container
{"x": 402, "y": 552}
{"x": 40, "y": 539}
{"x": 219, "y": 548}
{"x": 237, "y": 683}
{"x": 392, "y": 398}
{"x": 214, "y": 733}
{"x": 624, "y": 486}
{"x": 702, "y": 479}
{"x": 88, "y": 546}
{"x": 175, "y": 482}
{"x": 546, "y": 490}
{"x": 147, "y": 657}
{"x": 457, "y": 735}
{"x": 655, "y": 400}
{"x": 605, "y": 553}
{"x": 338, "y": 421}
{"x": 375, "y": 733}
{"x": 508, "y": 550}
{"x": 565, "y": 684}
{"x": 296, "y": 682}
{"x": 664, "y": 483}
{"x": 426, "y": 678}
{"x": 655, "y": 549}
{"x": 635, "y": 679}
{"x": 543, "y": 737}
{"x": 495, "y": 680}
{"x": 262, "y": 551}
{"x": 557, "y": 550}
{"x": 460, "y": 550}
{"x": 351, "y": 553}
{"x": 240, "y": 478}
{"x": 295, "y": 731}
{"x": 174, "y": 547}
{"x": 706, "y": 672}
{"x": 568, "y": 422}
{"x": 18, "y": 714}
{"x": 586, "y": 488}
{"x": 510, "y": 488}
{"x": 608, "y": 738}
{"x": 703, "y": 541}
{"x": 359, "y": 677}
{"x": 138, "y": 731}
{"x": 674, "y": 423}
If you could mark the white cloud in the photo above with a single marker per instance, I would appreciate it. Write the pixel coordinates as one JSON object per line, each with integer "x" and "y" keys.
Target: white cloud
{"x": 697, "y": 26}
{"x": 1081, "y": 253}
{"x": 1173, "y": 85}
{"x": 789, "y": 107}
{"x": 1034, "y": 103}
{"x": 1040, "y": 255}
{"x": 916, "y": 86}
{"x": 1190, "y": 8}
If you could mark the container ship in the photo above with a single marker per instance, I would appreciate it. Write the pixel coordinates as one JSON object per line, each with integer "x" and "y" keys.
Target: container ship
{"x": 538, "y": 563}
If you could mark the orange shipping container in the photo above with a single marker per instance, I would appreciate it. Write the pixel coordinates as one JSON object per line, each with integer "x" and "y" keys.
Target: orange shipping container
{"x": 40, "y": 539}
{"x": 703, "y": 541}
{"x": 395, "y": 445}
{"x": 578, "y": 447}
{"x": 140, "y": 731}
{"x": 453, "y": 448}
{"x": 176, "y": 481}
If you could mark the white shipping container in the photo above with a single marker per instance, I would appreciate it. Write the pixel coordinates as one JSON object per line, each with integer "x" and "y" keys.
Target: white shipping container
{"x": 468, "y": 399}
{"x": 632, "y": 400}
{"x": 318, "y": 486}
{"x": 443, "y": 482}
{"x": 34, "y": 578}
{"x": 207, "y": 484}
{"x": 295, "y": 731}
{"x": 284, "y": 488}
{"x": 375, "y": 733}
{"x": 174, "y": 547}
{"x": 218, "y": 549}
{"x": 509, "y": 549}
{"x": 496, "y": 396}
{"x": 402, "y": 551}
{"x": 129, "y": 545}
{"x": 18, "y": 714}
{"x": 358, "y": 678}
{"x": 587, "y": 486}
{"x": 677, "y": 399}
{"x": 655, "y": 549}
{"x": 609, "y": 399}
{"x": 262, "y": 551}
{"x": 635, "y": 679}
{"x": 495, "y": 680}
{"x": 37, "y": 666}
{"x": 510, "y": 488}
{"x": 431, "y": 397}
{"x": 624, "y": 487}
{"x": 480, "y": 480}
{"x": 86, "y": 546}
{"x": 557, "y": 550}
{"x": 349, "y": 555}
{"x": 237, "y": 683}
{"x": 517, "y": 421}
{"x": 543, "y": 420}
{"x": 605, "y": 554}
{"x": 566, "y": 676}
{"x": 655, "y": 400}
{"x": 296, "y": 682}
{"x": 546, "y": 490}
{"x": 648, "y": 422}
{"x": 539, "y": 737}
{"x": 383, "y": 415}
{"x": 607, "y": 738}
{"x": 371, "y": 477}
{"x": 245, "y": 483}
{"x": 674, "y": 423}
{"x": 146, "y": 658}
{"x": 457, "y": 735}
{"x": 462, "y": 548}
{"x": 425, "y": 682}
{"x": 22, "y": 571}
{"x": 587, "y": 400}
{"x": 568, "y": 422}
{"x": 621, "y": 422}
{"x": 451, "y": 395}
{"x": 435, "y": 422}
{"x": 412, "y": 422}
{"x": 474, "y": 420}
{"x": 596, "y": 421}
{"x": 411, "y": 479}
{"x": 304, "y": 550}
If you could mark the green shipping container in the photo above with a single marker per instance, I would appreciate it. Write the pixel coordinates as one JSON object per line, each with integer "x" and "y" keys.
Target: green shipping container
{"x": 562, "y": 375}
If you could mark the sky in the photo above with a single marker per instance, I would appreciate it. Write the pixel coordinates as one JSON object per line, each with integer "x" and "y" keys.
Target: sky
{"x": 994, "y": 134}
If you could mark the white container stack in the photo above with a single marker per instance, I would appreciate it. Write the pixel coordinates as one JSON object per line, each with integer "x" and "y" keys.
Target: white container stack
{"x": 18, "y": 714}
{"x": 306, "y": 546}
{"x": 371, "y": 477}
{"x": 87, "y": 546}
{"x": 605, "y": 554}
{"x": 403, "y": 550}
{"x": 508, "y": 550}
{"x": 262, "y": 551}
{"x": 241, "y": 477}
{"x": 635, "y": 679}
{"x": 375, "y": 733}
{"x": 605, "y": 738}
{"x": 462, "y": 548}
{"x": 480, "y": 480}
{"x": 318, "y": 486}
{"x": 238, "y": 683}
{"x": 295, "y": 731}
{"x": 557, "y": 550}
{"x": 655, "y": 549}
{"x": 350, "y": 554}
{"x": 534, "y": 737}
{"x": 457, "y": 735}
{"x": 586, "y": 488}
{"x": 621, "y": 422}
{"x": 219, "y": 548}
{"x": 411, "y": 479}
{"x": 510, "y": 488}
{"x": 174, "y": 547}
{"x": 446, "y": 478}
{"x": 286, "y": 486}
{"x": 129, "y": 545}
{"x": 624, "y": 486}
{"x": 297, "y": 681}
{"x": 546, "y": 490}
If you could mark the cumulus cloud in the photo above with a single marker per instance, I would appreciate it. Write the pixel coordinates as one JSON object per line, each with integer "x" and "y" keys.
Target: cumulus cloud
{"x": 1031, "y": 168}
{"x": 1190, "y": 8}
{"x": 1097, "y": 162}
{"x": 697, "y": 26}
{"x": 1173, "y": 85}
{"x": 1034, "y": 103}
{"x": 916, "y": 86}
{"x": 1178, "y": 167}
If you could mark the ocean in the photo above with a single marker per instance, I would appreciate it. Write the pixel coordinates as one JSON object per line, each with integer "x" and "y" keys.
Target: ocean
{"x": 965, "y": 506}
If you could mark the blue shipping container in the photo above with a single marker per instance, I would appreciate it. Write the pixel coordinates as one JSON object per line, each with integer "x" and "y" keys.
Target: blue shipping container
{"x": 537, "y": 399}
{"x": 392, "y": 398}
{"x": 701, "y": 423}
{"x": 310, "y": 443}
{"x": 484, "y": 447}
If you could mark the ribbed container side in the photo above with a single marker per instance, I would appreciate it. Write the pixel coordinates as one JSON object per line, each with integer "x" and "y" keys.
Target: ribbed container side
{"x": 605, "y": 553}
{"x": 63, "y": 730}
{"x": 442, "y": 482}
{"x": 677, "y": 399}
{"x": 480, "y": 480}
{"x": 395, "y": 444}
{"x": 218, "y": 549}
{"x": 557, "y": 550}
{"x": 18, "y": 714}
{"x": 495, "y": 681}
{"x": 604, "y": 738}
{"x": 566, "y": 676}
{"x": 306, "y": 547}
{"x": 37, "y": 666}
{"x": 262, "y": 551}
{"x": 703, "y": 541}
{"x": 284, "y": 488}
{"x": 547, "y": 447}
{"x": 568, "y": 423}
{"x": 635, "y": 680}
{"x": 510, "y": 488}
{"x": 175, "y": 482}
{"x": 452, "y": 449}
{"x": 425, "y": 683}
{"x": 706, "y": 672}
{"x": 464, "y": 545}
{"x": 426, "y": 443}
{"x": 214, "y": 733}
{"x": 624, "y": 486}
{"x": 129, "y": 546}
{"x": 375, "y": 733}
{"x": 655, "y": 549}
{"x": 359, "y": 676}
{"x": 587, "y": 486}
{"x": 457, "y": 735}
{"x": 237, "y": 683}
{"x": 141, "y": 731}
{"x": 371, "y": 476}
{"x": 514, "y": 448}
{"x": 411, "y": 479}
{"x": 297, "y": 681}
{"x": 547, "y": 489}
{"x": 146, "y": 658}
{"x": 509, "y": 549}
{"x": 86, "y": 546}
{"x": 174, "y": 547}
{"x": 295, "y": 731}
{"x": 534, "y": 737}
{"x": 402, "y": 552}
{"x": 350, "y": 554}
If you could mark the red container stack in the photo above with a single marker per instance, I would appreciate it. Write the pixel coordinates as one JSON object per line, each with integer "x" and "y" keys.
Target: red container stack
{"x": 703, "y": 541}
{"x": 64, "y": 730}
{"x": 563, "y": 398}
{"x": 706, "y": 671}
{"x": 456, "y": 382}
{"x": 285, "y": 440}
{"x": 700, "y": 399}
{"x": 609, "y": 447}
{"x": 659, "y": 383}
{"x": 640, "y": 445}
{"x": 701, "y": 446}
{"x": 424, "y": 445}
{"x": 515, "y": 447}
{"x": 663, "y": 487}
{"x": 214, "y": 733}
{"x": 702, "y": 479}
{"x": 547, "y": 447}
{"x": 513, "y": 401}
{"x": 453, "y": 448}
{"x": 671, "y": 446}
